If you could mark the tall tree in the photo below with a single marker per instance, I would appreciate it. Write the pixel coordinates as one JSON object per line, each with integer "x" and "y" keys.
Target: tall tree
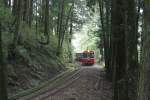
{"x": 45, "y": 21}
{"x": 118, "y": 45}
{"x": 14, "y": 8}
{"x": 60, "y": 25}
{"x": 30, "y": 13}
{"x": 145, "y": 50}
{"x": 125, "y": 59}
{"x": 105, "y": 33}
{"x": 3, "y": 83}
{"x": 18, "y": 18}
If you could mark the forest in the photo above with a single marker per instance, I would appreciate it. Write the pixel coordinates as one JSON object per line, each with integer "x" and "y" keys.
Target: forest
{"x": 39, "y": 39}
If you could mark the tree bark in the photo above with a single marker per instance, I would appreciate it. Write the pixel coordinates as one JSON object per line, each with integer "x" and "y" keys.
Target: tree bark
{"x": 46, "y": 27}
{"x": 118, "y": 47}
{"x": 105, "y": 36}
{"x": 145, "y": 50}
{"x": 60, "y": 27}
{"x": 132, "y": 41}
{"x": 125, "y": 60}
{"x": 45, "y": 18}
{"x": 18, "y": 21}
{"x": 30, "y": 13}
{"x": 14, "y": 9}
{"x": 3, "y": 83}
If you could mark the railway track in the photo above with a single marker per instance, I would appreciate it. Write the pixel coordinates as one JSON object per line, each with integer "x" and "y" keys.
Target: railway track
{"x": 43, "y": 95}
{"x": 59, "y": 88}
{"x": 85, "y": 83}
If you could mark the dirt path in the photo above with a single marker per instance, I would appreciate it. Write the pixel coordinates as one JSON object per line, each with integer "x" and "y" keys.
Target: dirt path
{"x": 89, "y": 83}
{"x": 90, "y": 86}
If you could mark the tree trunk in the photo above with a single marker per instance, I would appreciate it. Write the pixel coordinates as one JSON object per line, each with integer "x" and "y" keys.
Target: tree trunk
{"x": 145, "y": 50}
{"x": 14, "y": 9}
{"x": 9, "y": 4}
{"x": 60, "y": 27}
{"x": 125, "y": 54}
{"x": 132, "y": 38}
{"x": 30, "y": 13}
{"x": 104, "y": 37}
{"x": 45, "y": 18}
{"x": 3, "y": 83}
{"x": 18, "y": 21}
{"x": 108, "y": 38}
{"x": 58, "y": 19}
{"x": 6, "y": 3}
{"x": 25, "y": 10}
{"x": 118, "y": 37}
{"x": 46, "y": 27}
{"x": 118, "y": 50}
{"x": 66, "y": 24}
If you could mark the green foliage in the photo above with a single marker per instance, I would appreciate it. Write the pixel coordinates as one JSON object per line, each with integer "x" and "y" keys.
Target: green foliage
{"x": 91, "y": 4}
{"x": 5, "y": 17}
{"x": 30, "y": 56}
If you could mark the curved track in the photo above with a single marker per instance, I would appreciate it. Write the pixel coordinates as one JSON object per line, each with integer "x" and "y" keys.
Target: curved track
{"x": 52, "y": 90}
{"x": 87, "y": 83}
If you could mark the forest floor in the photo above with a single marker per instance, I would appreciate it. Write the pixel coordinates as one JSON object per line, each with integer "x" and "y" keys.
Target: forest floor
{"x": 88, "y": 83}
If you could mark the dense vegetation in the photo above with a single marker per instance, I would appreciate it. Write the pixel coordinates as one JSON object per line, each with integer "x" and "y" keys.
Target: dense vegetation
{"x": 124, "y": 28}
{"x": 36, "y": 36}
{"x": 31, "y": 41}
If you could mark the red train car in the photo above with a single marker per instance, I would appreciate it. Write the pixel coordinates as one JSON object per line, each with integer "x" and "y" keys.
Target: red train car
{"x": 78, "y": 56}
{"x": 88, "y": 58}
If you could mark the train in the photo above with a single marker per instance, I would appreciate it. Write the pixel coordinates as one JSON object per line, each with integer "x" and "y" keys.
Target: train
{"x": 87, "y": 57}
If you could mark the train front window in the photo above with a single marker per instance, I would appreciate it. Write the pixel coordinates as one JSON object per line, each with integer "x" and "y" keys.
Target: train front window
{"x": 85, "y": 55}
{"x": 91, "y": 55}
{"x": 88, "y": 55}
